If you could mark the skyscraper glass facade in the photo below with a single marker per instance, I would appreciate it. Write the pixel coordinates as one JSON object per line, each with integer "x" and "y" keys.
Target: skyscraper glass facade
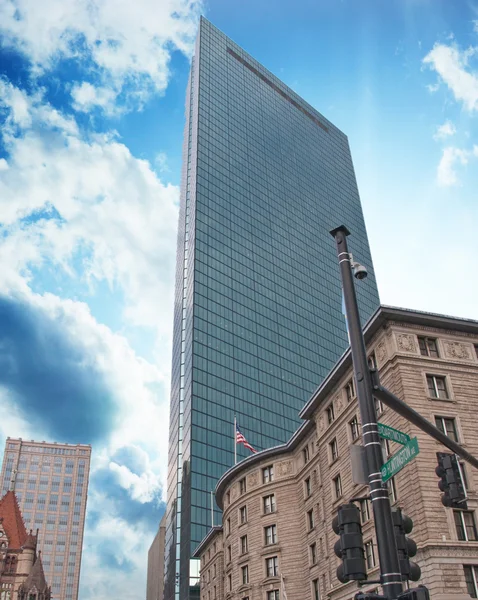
{"x": 258, "y": 309}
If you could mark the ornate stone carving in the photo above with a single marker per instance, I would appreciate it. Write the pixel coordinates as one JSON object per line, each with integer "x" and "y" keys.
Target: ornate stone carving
{"x": 234, "y": 493}
{"x": 406, "y": 342}
{"x": 253, "y": 479}
{"x": 457, "y": 350}
{"x": 321, "y": 423}
{"x": 381, "y": 353}
{"x": 338, "y": 403}
{"x": 284, "y": 468}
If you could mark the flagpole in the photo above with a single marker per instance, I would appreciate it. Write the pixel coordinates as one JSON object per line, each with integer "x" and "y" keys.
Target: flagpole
{"x": 235, "y": 440}
{"x": 212, "y": 509}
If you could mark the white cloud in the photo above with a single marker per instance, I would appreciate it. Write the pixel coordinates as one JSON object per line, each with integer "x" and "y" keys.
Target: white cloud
{"x": 112, "y": 205}
{"x": 444, "y": 131}
{"x": 452, "y": 66}
{"x": 451, "y": 157}
{"x": 86, "y": 96}
{"x": 127, "y": 42}
{"x": 432, "y": 88}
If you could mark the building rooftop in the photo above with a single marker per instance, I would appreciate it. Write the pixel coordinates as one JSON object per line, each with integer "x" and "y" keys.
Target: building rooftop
{"x": 382, "y": 315}
{"x": 12, "y": 520}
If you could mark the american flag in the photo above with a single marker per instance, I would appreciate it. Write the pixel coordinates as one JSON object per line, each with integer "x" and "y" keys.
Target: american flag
{"x": 240, "y": 439}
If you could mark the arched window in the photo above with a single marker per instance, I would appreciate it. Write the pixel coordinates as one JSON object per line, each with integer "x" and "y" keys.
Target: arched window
{"x": 32, "y": 596}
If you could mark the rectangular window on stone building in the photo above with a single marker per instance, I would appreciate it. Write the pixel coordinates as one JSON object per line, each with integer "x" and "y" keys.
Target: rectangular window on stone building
{"x": 229, "y": 582}
{"x": 272, "y": 566}
{"x": 437, "y": 387}
{"x": 392, "y": 490}
{"x": 465, "y": 525}
{"x": 243, "y": 514}
{"x": 333, "y": 450}
{"x": 229, "y": 554}
{"x": 330, "y": 414}
{"x": 242, "y": 486}
{"x": 307, "y": 487}
{"x": 447, "y": 425}
{"x": 476, "y": 350}
{"x": 354, "y": 429}
{"x": 337, "y": 481}
{"x": 270, "y": 535}
{"x": 372, "y": 361}
{"x": 269, "y": 504}
{"x": 245, "y": 574}
{"x": 243, "y": 544}
{"x": 228, "y": 526}
{"x": 364, "y": 511}
{"x": 310, "y": 519}
{"x": 305, "y": 454}
{"x": 315, "y": 590}
{"x": 268, "y": 474}
{"x": 369, "y": 554}
{"x": 471, "y": 578}
{"x": 350, "y": 390}
{"x": 313, "y": 554}
{"x": 385, "y": 449}
{"x": 273, "y": 595}
{"x": 428, "y": 346}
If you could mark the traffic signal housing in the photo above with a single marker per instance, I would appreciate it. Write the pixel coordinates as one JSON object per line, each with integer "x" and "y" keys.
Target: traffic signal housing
{"x": 349, "y": 547}
{"x": 406, "y": 546}
{"x": 451, "y": 481}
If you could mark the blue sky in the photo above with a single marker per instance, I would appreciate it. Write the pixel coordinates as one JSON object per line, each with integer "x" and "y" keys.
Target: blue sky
{"x": 91, "y": 112}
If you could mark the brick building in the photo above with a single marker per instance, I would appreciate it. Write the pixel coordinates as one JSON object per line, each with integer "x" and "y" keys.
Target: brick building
{"x": 21, "y": 569}
{"x": 279, "y": 504}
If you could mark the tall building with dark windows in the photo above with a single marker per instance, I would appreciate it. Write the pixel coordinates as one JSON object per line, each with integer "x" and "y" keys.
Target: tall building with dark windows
{"x": 258, "y": 311}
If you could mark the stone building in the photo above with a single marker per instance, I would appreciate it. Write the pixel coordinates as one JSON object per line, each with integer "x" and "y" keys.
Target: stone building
{"x": 155, "y": 577}
{"x": 21, "y": 569}
{"x": 276, "y": 535}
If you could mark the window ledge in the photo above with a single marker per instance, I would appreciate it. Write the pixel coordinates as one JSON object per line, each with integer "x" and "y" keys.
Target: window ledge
{"x": 273, "y": 579}
{"x": 269, "y": 514}
{"x": 441, "y": 399}
{"x": 272, "y": 549}
{"x": 243, "y": 558}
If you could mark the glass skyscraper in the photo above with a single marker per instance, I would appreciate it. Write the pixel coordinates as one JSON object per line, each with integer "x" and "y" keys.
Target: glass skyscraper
{"x": 258, "y": 308}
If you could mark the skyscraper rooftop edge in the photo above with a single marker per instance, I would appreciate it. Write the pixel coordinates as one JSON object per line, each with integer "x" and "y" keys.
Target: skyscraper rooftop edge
{"x": 244, "y": 54}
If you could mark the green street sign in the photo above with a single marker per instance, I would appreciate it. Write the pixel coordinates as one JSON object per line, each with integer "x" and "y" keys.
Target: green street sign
{"x": 400, "y": 459}
{"x": 389, "y": 433}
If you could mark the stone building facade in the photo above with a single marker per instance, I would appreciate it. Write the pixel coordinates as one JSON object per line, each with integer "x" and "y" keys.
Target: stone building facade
{"x": 276, "y": 537}
{"x": 155, "y": 577}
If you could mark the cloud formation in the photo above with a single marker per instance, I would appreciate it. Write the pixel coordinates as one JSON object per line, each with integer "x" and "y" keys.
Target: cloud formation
{"x": 81, "y": 206}
{"x": 123, "y": 46}
{"x": 96, "y": 201}
{"x": 451, "y": 158}
{"x": 452, "y": 65}
{"x": 444, "y": 131}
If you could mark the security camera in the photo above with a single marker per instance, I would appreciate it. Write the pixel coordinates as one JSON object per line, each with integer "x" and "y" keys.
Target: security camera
{"x": 360, "y": 272}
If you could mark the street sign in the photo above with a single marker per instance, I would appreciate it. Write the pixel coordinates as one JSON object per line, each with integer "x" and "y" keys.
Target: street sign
{"x": 400, "y": 459}
{"x": 389, "y": 433}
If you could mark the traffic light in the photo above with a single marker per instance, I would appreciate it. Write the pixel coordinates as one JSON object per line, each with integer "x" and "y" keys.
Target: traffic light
{"x": 419, "y": 593}
{"x": 406, "y": 546}
{"x": 349, "y": 547}
{"x": 451, "y": 481}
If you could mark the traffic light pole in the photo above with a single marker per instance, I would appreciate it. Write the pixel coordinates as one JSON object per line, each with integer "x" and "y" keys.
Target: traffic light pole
{"x": 391, "y": 579}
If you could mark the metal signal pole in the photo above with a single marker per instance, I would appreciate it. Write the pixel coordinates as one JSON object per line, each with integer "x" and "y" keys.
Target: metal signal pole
{"x": 390, "y": 576}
